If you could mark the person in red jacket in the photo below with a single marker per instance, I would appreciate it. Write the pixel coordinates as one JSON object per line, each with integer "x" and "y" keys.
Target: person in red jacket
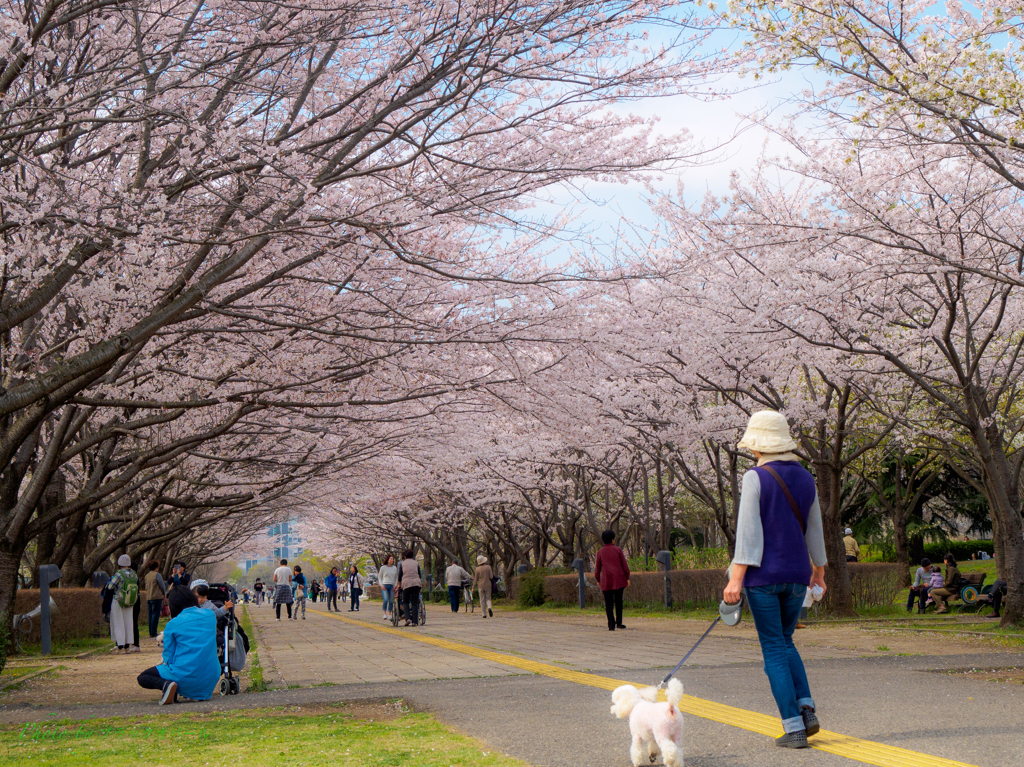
{"x": 611, "y": 571}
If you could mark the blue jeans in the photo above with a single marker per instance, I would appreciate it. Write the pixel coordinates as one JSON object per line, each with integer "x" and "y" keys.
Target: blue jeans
{"x": 776, "y": 609}
{"x": 453, "y": 597}
{"x": 388, "y": 592}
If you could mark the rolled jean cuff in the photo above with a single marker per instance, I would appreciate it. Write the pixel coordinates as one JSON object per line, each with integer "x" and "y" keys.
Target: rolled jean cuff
{"x": 806, "y": 702}
{"x": 793, "y": 725}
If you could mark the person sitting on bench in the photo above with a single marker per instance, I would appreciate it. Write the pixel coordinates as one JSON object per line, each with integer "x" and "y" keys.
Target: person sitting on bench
{"x": 919, "y": 589}
{"x": 950, "y": 586}
{"x": 994, "y": 597}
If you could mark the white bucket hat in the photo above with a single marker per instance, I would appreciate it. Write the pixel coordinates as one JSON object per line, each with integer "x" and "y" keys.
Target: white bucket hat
{"x": 124, "y": 561}
{"x": 481, "y": 560}
{"x": 767, "y": 432}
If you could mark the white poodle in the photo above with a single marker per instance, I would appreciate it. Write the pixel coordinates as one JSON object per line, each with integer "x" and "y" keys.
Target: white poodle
{"x": 657, "y": 728}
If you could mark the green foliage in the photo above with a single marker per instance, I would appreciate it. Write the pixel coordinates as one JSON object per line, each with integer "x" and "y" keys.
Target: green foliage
{"x": 531, "y": 588}
{"x": 962, "y": 550}
{"x": 253, "y": 667}
{"x": 685, "y": 558}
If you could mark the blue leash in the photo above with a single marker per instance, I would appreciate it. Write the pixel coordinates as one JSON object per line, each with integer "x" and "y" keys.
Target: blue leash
{"x": 680, "y": 663}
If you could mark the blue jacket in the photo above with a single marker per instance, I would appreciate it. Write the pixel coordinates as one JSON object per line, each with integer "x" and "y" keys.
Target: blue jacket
{"x": 331, "y": 581}
{"x": 190, "y": 653}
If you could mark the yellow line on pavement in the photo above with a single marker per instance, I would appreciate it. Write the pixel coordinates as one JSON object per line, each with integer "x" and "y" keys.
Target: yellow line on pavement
{"x": 866, "y": 751}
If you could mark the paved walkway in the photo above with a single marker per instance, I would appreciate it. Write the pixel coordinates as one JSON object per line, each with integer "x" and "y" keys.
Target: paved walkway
{"x": 876, "y": 692}
{"x": 320, "y": 650}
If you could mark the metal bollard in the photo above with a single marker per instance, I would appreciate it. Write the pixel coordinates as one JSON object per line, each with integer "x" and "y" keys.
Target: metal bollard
{"x": 47, "y": 575}
{"x": 581, "y": 567}
{"x": 665, "y": 559}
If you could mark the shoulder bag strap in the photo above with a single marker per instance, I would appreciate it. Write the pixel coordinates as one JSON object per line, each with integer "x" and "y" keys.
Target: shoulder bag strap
{"x": 789, "y": 497}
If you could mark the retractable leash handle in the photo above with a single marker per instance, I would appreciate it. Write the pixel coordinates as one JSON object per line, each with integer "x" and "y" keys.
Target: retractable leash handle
{"x": 728, "y": 614}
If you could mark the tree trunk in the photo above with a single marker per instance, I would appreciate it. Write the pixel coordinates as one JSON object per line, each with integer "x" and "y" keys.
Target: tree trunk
{"x": 1005, "y": 507}
{"x": 998, "y": 554}
{"x": 10, "y": 558}
{"x": 837, "y": 575}
{"x": 902, "y": 548}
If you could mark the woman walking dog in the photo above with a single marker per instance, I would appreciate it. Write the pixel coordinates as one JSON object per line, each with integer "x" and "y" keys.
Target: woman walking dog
{"x": 780, "y": 552}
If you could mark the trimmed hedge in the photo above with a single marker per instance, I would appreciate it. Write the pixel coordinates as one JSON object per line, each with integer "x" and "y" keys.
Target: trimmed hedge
{"x": 874, "y": 584}
{"x": 79, "y": 613}
{"x": 688, "y": 586}
{"x": 962, "y": 550}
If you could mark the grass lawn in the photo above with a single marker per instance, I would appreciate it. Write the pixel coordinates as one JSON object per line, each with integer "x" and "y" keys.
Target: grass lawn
{"x": 11, "y": 673}
{"x": 369, "y": 736}
{"x": 64, "y": 647}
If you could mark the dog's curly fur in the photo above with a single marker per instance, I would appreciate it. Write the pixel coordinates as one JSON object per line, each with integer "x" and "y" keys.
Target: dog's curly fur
{"x": 657, "y": 728}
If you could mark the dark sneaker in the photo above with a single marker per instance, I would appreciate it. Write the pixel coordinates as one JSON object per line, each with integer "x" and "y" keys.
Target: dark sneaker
{"x": 490, "y": 612}
{"x": 620, "y": 625}
{"x": 796, "y": 739}
{"x": 811, "y": 725}
{"x": 170, "y": 694}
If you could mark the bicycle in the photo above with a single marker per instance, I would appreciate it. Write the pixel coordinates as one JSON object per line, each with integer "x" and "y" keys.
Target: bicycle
{"x": 467, "y": 597}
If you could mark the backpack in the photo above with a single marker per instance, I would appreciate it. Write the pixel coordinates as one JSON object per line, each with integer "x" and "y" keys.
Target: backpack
{"x": 128, "y": 594}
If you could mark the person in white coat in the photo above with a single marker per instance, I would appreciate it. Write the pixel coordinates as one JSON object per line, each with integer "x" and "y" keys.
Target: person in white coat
{"x": 125, "y": 588}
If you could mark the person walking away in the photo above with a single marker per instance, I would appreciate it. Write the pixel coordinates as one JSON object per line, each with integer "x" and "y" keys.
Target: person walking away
{"x": 190, "y": 664}
{"x": 482, "y": 584}
{"x": 950, "y": 585}
{"x": 283, "y": 588}
{"x": 156, "y": 590}
{"x": 124, "y": 587}
{"x": 410, "y": 581}
{"x": 387, "y": 577}
{"x": 331, "y": 582}
{"x": 919, "y": 588}
{"x": 455, "y": 576}
{"x": 611, "y": 571}
{"x": 299, "y": 584}
{"x": 780, "y": 552}
{"x": 355, "y": 588}
{"x": 852, "y": 547}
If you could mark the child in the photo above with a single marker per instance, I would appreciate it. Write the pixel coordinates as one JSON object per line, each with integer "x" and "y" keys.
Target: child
{"x": 299, "y": 585}
{"x": 934, "y": 582}
{"x": 201, "y": 589}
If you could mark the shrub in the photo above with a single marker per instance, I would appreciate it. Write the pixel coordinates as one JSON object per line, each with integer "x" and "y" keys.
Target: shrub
{"x": 532, "y": 588}
{"x": 683, "y": 558}
{"x": 962, "y": 550}
{"x": 79, "y": 613}
{"x": 874, "y": 584}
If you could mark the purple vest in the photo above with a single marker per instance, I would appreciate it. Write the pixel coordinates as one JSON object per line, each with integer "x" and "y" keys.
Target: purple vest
{"x": 785, "y": 558}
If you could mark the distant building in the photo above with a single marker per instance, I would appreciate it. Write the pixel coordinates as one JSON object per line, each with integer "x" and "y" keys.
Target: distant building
{"x": 283, "y": 542}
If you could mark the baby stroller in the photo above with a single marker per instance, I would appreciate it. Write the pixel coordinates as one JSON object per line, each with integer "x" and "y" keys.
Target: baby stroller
{"x": 398, "y": 611}
{"x": 232, "y": 643}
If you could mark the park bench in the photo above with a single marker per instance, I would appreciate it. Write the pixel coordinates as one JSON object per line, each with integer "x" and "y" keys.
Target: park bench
{"x": 970, "y": 587}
